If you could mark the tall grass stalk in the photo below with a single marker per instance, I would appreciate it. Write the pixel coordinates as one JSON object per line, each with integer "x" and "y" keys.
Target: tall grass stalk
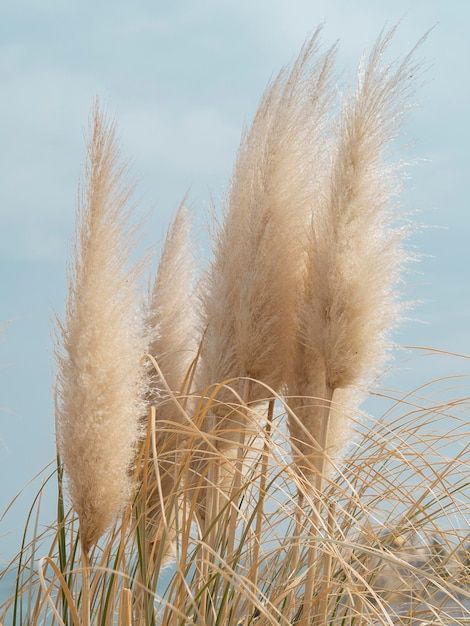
{"x": 354, "y": 258}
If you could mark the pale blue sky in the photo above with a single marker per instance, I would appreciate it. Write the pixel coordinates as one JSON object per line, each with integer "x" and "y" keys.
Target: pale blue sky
{"x": 182, "y": 78}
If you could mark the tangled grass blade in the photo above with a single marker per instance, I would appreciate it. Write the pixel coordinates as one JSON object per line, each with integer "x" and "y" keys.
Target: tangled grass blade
{"x": 391, "y": 540}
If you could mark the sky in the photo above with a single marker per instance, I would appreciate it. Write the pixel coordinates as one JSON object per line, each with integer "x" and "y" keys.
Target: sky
{"x": 182, "y": 79}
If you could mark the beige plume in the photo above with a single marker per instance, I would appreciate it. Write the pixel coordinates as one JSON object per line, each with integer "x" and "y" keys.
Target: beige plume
{"x": 250, "y": 301}
{"x": 100, "y": 378}
{"x": 173, "y": 343}
{"x": 171, "y": 314}
{"x": 354, "y": 259}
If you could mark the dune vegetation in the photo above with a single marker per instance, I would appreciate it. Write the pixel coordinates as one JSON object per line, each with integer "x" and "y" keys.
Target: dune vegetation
{"x": 214, "y": 465}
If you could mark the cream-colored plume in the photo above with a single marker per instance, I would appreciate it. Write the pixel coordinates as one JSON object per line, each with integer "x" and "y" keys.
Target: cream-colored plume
{"x": 173, "y": 343}
{"x": 101, "y": 346}
{"x": 171, "y": 316}
{"x": 354, "y": 260}
{"x": 250, "y": 302}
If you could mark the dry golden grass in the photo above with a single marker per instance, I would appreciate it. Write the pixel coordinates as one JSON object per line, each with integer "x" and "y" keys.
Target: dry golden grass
{"x": 391, "y": 538}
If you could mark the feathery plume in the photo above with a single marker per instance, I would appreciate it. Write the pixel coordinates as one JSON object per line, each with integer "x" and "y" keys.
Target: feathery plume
{"x": 251, "y": 298}
{"x": 172, "y": 331}
{"x": 100, "y": 377}
{"x": 354, "y": 258}
{"x": 171, "y": 315}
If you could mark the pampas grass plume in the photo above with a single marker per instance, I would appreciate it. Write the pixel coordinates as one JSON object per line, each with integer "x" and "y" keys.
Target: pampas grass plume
{"x": 171, "y": 316}
{"x": 172, "y": 332}
{"x": 354, "y": 259}
{"x": 100, "y": 378}
{"x": 251, "y": 297}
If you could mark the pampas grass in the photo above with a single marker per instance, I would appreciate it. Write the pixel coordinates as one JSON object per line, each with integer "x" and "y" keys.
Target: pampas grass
{"x": 100, "y": 379}
{"x": 354, "y": 259}
{"x": 171, "y": 314}
{"x": 171, "y": 325}
{"x": 301, "y": 290}
{"x": 251, "y": 292}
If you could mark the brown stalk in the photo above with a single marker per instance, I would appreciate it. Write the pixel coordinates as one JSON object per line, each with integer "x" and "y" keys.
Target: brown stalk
{"x": 327, "y": 566}
{"x": 238, "y": 473}
{"x": 253, "y": 575}
{"x": 314, "y": 551}
{"x": 125, "y": 608}
{"x": 85, "y": 605}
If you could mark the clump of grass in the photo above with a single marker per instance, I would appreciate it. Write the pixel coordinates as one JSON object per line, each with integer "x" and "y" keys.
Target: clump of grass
{"x": 392, "y": 527}
{"x": 222, "y": 468}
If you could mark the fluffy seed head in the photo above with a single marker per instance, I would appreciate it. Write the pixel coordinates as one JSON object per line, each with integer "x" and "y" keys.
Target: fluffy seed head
{"x": 171, "y": 313}
{"x": 172, "y": 331}
{"x": 354, "y": 253}
{"x": 251, "y": 298}
{"x": 100, "y": 378}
